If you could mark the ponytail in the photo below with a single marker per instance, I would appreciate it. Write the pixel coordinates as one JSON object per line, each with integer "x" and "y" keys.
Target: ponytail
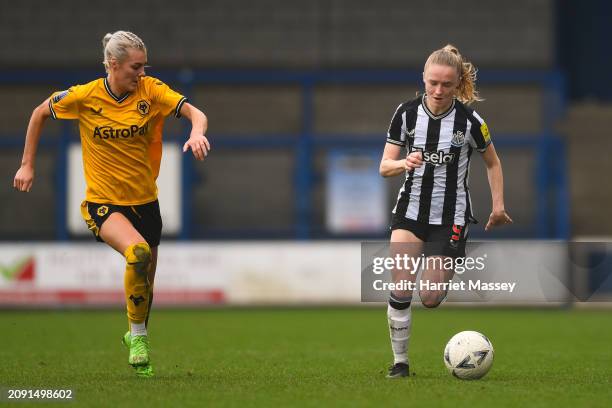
{"x": 450, "y": 56}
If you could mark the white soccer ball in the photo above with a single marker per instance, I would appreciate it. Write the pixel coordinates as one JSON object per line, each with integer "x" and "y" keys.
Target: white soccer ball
{"x": 468, "y": 355}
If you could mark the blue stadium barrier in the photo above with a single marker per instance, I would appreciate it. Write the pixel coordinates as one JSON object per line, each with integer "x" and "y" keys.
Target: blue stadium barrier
{"x": 552, "y": 206}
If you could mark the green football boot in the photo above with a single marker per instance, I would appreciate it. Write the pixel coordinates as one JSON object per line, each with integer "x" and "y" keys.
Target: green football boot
{"x": 127, "y": 340}
{"x": 139, "y": 351}
{"x": 144, "y": 371}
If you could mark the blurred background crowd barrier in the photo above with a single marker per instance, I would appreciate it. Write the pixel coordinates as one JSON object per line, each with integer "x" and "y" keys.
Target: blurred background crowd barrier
{"x": 299, "y": 97}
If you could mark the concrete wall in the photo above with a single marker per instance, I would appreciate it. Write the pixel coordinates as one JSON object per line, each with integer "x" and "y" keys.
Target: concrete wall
{"x": 323, "y": 33}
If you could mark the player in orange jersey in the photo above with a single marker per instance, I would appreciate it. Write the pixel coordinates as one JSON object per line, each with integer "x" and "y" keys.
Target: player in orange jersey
{"x": 120, "y": 119}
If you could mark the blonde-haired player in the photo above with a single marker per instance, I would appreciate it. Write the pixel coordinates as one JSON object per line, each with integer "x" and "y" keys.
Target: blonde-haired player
{"x": 121, "y": 118}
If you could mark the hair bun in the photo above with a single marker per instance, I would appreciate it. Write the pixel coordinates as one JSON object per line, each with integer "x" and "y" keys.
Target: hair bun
{"x": 451, "y": 48}
{"x": 106, "y": 39}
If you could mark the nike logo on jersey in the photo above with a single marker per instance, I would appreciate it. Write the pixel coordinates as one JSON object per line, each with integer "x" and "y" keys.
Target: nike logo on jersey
{"x": 96, "y": 112}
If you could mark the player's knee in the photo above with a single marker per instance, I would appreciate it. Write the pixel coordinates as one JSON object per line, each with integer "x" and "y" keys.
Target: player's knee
{"x": 402, "y": 295}
{"x": 432, "y": 298}
{"x": 139, "y": 255}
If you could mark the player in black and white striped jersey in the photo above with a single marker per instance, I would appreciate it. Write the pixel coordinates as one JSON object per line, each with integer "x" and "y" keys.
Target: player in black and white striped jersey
{"x": 446, "y": 142}
{"x": 439, "y": 132}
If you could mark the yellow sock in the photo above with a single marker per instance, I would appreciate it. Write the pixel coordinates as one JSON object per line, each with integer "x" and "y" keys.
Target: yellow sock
{"x": 150, "y": 304}
{"x": 138, "y": 262}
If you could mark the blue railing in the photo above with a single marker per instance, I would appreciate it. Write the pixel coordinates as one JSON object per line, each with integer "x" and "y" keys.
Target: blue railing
{"x": 552, "y": 203}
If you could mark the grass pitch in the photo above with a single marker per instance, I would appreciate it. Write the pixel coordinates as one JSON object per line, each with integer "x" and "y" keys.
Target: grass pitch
{"x": 308, "y": 357}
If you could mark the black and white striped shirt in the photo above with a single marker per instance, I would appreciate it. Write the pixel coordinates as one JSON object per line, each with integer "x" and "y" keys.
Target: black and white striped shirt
{"x": 437, "y": 192}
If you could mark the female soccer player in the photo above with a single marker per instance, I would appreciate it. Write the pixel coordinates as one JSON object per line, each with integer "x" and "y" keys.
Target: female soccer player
{"x": 439, "y": 132}
{"x": 120, "y": 119}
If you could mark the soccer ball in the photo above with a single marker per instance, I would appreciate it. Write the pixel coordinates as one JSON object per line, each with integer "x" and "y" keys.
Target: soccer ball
{"x": 468, "y": 355}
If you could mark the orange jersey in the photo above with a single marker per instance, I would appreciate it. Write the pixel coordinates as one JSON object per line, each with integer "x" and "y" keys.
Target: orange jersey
{"x": 121, "y": 136}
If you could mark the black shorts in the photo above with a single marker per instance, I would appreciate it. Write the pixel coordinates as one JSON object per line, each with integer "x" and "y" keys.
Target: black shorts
{"x": 446, "y": 240}
{"x": 146, "y": 218}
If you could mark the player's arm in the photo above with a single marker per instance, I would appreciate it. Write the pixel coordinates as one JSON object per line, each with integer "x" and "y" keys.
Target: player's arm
{"x": 198, "y": 143}
{"x": 25, "y": 175}
{"x": 391, "y": 163}
{"x": 496, "y": 183}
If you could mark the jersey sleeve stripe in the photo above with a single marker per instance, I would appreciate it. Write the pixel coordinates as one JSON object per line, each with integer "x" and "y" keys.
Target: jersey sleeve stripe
{"x": 53, "y": 114}
{"x": 481, "y": 142}
{"x": 395, "y": 142}
{"x": 395, "y": 128}
{"x": 478, "y": 118}
{"x": 484, "y": 149}
{"x": 179, "y": 105}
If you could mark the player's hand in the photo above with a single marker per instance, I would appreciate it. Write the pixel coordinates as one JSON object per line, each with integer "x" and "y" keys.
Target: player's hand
{"x": 497, "y": 218}
{"x": 413, "y": 160}
{"x": 198, "y": 144}
{"x": 24, "y": 178}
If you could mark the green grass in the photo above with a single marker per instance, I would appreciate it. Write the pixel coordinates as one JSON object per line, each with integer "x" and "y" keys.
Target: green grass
{"x": 309, "y": 357}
